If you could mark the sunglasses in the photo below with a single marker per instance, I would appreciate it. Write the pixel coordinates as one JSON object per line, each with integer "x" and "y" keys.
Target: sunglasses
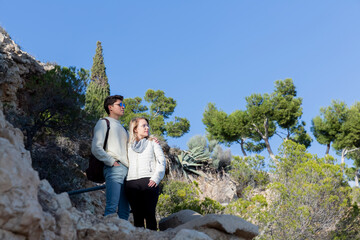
{"x": 121, "y": 104}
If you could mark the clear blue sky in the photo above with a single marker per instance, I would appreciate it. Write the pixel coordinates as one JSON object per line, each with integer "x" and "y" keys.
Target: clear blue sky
{"x": 202, "y": 51}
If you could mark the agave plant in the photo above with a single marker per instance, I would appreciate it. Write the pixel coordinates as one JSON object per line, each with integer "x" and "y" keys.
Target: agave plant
{"x": 189, "y": 160}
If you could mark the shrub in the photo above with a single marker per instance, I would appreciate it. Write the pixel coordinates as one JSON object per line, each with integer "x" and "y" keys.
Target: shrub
{"x": 179, "y": 195}
{"x": 248, "y": 171}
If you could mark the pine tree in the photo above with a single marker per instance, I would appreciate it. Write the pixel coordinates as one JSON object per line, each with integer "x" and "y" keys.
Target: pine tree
{"x": 98, "y": 88}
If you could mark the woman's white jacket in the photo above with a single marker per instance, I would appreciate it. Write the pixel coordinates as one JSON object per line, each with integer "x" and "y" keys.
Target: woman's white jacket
{"x": 149, "y": 163}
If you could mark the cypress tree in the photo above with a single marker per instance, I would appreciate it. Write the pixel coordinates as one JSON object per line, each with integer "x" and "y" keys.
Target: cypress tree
{"x": 98, "y": 88}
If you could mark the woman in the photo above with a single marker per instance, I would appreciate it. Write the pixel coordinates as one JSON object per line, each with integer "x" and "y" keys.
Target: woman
{"x": 146, "y": 169}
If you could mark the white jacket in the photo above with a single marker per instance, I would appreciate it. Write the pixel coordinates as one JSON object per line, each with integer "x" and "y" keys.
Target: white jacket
{"x": 150, "y": 163}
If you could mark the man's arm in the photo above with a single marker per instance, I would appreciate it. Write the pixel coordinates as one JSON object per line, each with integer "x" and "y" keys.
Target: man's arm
{"x": 98, "y": 143}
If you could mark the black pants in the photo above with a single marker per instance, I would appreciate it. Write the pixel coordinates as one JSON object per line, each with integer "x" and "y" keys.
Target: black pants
{"x": 143, "y": 200}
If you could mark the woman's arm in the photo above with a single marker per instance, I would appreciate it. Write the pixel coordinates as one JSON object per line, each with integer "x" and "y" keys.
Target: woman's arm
{"x": 160, "y": 165}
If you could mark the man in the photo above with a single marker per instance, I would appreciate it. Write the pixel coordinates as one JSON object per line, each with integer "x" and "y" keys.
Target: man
{"x": 114, "y": 156}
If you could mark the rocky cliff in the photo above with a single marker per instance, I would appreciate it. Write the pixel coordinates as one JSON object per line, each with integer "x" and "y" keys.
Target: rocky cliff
{"x": 16, "y": 66}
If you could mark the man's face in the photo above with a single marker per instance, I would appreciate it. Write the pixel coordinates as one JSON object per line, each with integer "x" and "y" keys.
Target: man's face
{"x": 118, "y": 108}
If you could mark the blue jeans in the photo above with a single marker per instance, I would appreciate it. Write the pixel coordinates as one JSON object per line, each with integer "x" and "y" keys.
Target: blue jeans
{"x": 115, "y": 192}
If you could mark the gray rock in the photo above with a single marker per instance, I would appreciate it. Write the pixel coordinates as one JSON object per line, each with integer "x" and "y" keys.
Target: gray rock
{"x": 177, "y": 219}
{"x": 187, "y": 234}
{"x": 222, "y": 226}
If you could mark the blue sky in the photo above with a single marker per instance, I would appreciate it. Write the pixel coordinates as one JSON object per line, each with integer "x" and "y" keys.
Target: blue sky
{"x": 202, "y": 51}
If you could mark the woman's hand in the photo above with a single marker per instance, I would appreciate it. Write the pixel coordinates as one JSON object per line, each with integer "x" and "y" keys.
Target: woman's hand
{"x": 152, "y": 183}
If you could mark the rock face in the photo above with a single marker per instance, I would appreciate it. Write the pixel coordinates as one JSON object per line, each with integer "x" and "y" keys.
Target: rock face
{"x": 15, "y": 68}
{"x": 19, "y": 207}
{"x": 221, "y": 189}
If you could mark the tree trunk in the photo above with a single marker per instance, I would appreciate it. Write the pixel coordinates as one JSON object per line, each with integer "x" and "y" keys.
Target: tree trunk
{"x": 268, "y": 148}
{"x": 265, "y": 137}
{"x": 356, "y": 180}
{"x": 327, "y": 149}
{"x": 241, "y": 142}
{"x": 343, "y": 154}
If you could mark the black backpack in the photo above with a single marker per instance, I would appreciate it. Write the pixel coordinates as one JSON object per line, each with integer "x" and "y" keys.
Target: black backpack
{"x": 95, "y": 171}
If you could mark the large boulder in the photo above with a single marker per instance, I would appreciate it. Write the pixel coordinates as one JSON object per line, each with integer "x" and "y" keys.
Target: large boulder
{"x": 222, "y": 227}
{"x": 177, "y": 219}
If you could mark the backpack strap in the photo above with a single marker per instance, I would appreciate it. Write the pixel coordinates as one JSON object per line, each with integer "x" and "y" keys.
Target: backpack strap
{"x": 107, "y": 131}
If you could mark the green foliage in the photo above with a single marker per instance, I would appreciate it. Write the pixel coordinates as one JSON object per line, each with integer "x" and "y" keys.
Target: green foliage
{"x": 249, "y": 171}
{"x": 179, "y": 195}
{"x": 306, "y": 197}
{"x": 52, "y": 101}
{"x": 281, "y": 108}
{"x": 253, "y": 209}
{"x": 98, "y": 88}
{"x": 231, "y": 128}
{"x": 178, "y": 127}
{"x": 160, "y": 109}
{"x": 160, "y": 104}
{"x": 328, "y": 125}
{"x": 309, "y": 193}
{"x": 287, "y": 108}
{"x": 349, "y": 135}
{"x": 265, "y": 114}
{"x": 355, "y": 195}
{"x": 348, "y": 227}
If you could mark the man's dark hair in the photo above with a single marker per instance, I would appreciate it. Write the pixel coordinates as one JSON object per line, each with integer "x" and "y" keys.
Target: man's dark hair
{"x": 110, "y": 100}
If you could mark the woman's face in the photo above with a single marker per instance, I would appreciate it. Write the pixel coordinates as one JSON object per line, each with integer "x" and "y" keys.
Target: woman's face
{"x": 142, "y": 129}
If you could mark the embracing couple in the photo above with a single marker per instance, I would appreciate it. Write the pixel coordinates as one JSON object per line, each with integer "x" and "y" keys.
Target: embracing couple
{"x": 134, "y": 165}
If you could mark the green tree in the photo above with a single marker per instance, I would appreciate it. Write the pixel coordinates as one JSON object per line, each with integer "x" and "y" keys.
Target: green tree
{"x": 288, "y": 111}
{"x": 98, "y": 88}
{"x": 327, "y": 126}
{"x": 339, "y": 125}
{"x": 228, "y": 129}
{"x": 348, "y": 139}
{"x": 160, "y": 109}
{"x": 265, "y": 115}
{"x": 306, "y": 197}
{"x": 52, "y": 101}
{"x": 281, "y": 108}
{"x": 260, "y": 109}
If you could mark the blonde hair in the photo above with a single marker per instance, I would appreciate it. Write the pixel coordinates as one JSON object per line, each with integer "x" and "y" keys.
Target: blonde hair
{"x": 134, "y": 123}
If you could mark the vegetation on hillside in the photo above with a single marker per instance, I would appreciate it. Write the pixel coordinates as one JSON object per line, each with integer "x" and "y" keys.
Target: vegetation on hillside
{"x": 292, "y": 195}
{"x": 51, "y": 103}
